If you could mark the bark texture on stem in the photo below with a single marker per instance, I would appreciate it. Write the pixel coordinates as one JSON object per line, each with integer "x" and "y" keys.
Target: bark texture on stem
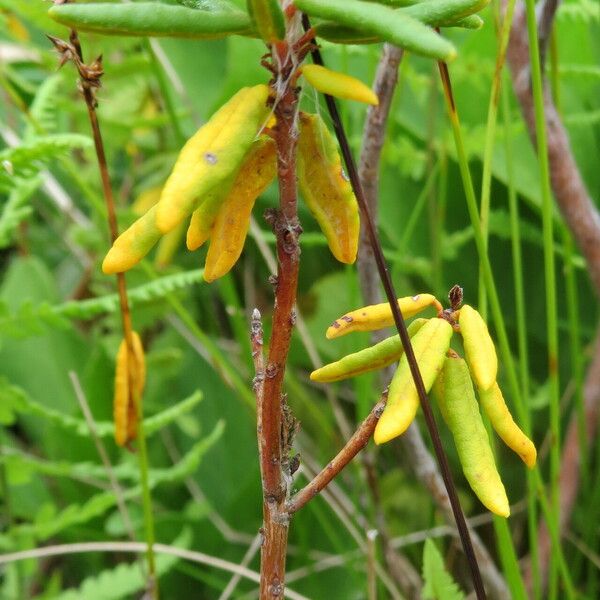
{"x": 275, "y": 423}
{"x": 412, "y": 441}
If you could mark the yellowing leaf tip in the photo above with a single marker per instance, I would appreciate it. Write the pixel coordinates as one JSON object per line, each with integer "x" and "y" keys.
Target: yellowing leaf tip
{"x": 339, "y": 84}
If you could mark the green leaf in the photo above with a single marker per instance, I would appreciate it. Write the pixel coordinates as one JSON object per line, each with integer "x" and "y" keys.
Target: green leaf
{"x": 439, "y": 585}
{"x": 30, "y": 319}
{"x": 16, "y": 209}
{"x": 443, "y": 12}
{"x": 97, "y": 505}
{"x": 43, "y": 108}
{"x": 26, "y": 160}
{"x": 214, "y": 5}
{"x": 268, "y": 18}
{"x": 386, "y": 23}
{"x": 341, "y": 34}
{"x": 152, "y": 19}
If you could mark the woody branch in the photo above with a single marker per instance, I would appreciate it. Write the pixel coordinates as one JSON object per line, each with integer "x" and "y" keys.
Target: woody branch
{"x": 273, "y": 420}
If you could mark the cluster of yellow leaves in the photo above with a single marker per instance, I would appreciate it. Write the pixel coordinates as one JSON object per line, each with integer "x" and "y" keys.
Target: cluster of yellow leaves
{"x": 450, "y": 378}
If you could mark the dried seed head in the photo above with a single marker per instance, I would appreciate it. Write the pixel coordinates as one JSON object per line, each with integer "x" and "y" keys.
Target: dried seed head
{"x": 455, "y": 296}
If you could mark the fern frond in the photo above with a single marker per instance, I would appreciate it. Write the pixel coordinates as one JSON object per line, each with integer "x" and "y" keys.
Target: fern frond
{"x": 26, "y": 160}
{"x": 43, "y": 108}
{"x": 16, "y": 210}
{"x": 439, "y": 585}
{"x": 162, "y": 419}
{"x": 29, "y": 319}
{"x": 190, "y": 461}
{"x": 32, "y": 319}
{"x": 147, "y": 292}
{"x": 16, "y": 398}
{"x": 99, "y": 504}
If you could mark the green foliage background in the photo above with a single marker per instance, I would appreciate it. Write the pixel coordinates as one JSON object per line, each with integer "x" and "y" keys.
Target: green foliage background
{"x": 58, "y": 312}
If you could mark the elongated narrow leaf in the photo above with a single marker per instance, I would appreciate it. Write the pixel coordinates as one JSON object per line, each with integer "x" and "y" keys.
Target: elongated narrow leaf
{"x": 386, "y": 23}
{"x": 268, "y": 18}
{"x": 443, "y": 12}
{"x": 341, "y": 34}
{"x": 151, "y": 19}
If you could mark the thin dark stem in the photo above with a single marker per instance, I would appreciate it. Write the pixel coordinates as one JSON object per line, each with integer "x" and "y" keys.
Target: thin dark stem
{"x": 353, "y": 446}
{"x": 413, "y": 445}
{"x": 401, "y": 327}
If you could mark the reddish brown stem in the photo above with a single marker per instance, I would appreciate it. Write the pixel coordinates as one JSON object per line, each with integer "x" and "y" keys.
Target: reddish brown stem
{"x": 112, "y": 217}
{"x": 273, "y": 444}
{"x": 89, "y": 81}
{"x": 353, "y": 446}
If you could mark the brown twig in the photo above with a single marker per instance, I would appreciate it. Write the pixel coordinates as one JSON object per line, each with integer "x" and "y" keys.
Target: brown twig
{"x": 353, "y": 446}
{"x": 88, "y": 83}
{"x": 275, "y": 423}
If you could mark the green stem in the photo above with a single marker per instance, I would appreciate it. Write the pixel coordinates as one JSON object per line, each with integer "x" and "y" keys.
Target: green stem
{"x": 576, "y": 353}
{"x": 550, "y": 284}
{"x": 441, "y": 200}
{"x": 418, "y": 208}
{"x": 164, "y": 91}
{"x": 515, "y": 231}
{"x": 517, "y": 259}
{"x": 490, "y": 135}
{"x": 146, "y": 501}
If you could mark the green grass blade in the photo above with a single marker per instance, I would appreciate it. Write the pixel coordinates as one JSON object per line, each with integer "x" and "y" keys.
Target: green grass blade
{"x": 151, "y": 19}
